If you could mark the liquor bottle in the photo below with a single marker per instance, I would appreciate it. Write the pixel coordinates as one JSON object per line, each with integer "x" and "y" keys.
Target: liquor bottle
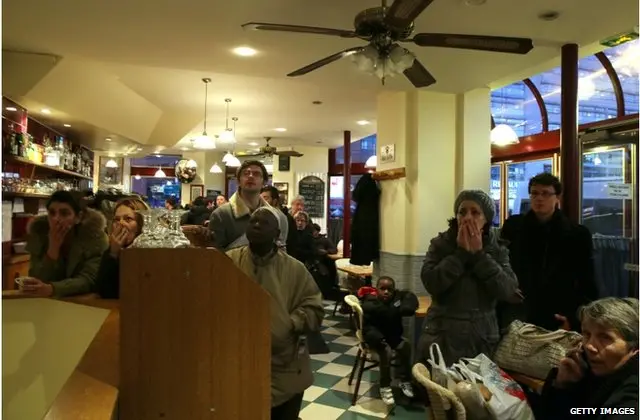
{"x": 11, "y": 141}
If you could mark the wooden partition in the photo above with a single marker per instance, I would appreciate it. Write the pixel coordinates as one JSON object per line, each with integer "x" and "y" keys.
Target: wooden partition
{"x": 194, "y": 338}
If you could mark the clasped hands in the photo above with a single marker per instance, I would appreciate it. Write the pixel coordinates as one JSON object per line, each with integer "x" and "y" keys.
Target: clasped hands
{"x": 469, "y": 237}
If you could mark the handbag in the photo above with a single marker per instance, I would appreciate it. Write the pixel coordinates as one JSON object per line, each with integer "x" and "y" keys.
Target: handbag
{"x": 533, "y": 351}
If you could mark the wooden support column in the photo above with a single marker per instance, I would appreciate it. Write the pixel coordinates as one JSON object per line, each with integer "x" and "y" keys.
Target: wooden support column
{"x": 569, "y": 146}
{"x": 346, "y": 211}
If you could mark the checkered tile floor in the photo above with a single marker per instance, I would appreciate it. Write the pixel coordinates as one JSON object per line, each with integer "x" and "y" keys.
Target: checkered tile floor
{"x": 329, "y": 398}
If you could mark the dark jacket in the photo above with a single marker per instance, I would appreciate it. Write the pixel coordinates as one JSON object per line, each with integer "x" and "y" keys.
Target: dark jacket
{"x": 292, "y": 234}
{"x": 617, "y": 390}
{"x": 304, "y": 250}
{"x": 383, "y": 320}
{"x": 464, "y": 290}
{"x": 554, "y": 266}
{"x": 197, "y": 215}
{"x": 324, "y": 246}
{"x": 365, "y": 226}
{"x": 76, "y": 272}
{"x": 108, "y": 279}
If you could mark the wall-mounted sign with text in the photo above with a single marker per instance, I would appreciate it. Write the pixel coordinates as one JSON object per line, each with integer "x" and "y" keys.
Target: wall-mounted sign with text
{"x": 621, "y": 191}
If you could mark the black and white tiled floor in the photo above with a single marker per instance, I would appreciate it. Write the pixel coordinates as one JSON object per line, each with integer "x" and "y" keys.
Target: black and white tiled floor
{"x": 329, "y": 398}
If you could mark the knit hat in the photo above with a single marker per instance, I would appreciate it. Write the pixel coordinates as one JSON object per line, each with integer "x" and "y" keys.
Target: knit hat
{"x": 481, "y": 198}
{"x": 247, "y": 163}
{"x": 271, "y": 210}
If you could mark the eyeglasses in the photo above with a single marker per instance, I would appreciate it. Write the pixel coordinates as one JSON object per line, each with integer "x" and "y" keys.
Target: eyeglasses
{"x": 543, "y": 194}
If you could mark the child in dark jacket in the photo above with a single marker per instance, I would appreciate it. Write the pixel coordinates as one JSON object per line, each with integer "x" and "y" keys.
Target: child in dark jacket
{"x": 383, "y": 308}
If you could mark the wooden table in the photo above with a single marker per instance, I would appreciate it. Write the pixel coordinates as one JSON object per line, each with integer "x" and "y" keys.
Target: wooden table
{"x": 357, "y": 270}
{"x": 424, "y": 304}
{"x": 335, "y": 257}
{"x": 92, "y": 389}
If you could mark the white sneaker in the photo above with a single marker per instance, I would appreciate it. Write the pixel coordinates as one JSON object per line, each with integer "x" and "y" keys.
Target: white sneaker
{"x": 387, "y": 396}
{"x": 406, "y": 389}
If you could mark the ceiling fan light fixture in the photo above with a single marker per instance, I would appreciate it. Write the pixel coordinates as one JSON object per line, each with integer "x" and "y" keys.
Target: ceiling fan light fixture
{"x": 395, "y": 63}
{"x": 503, "y": 135}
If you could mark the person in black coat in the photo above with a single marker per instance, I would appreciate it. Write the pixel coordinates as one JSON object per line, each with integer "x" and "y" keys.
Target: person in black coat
{"x": 125, "y": 227}
{"x": 383, "y": 309}
{"x": 602, "y": 372}
{"x": 365, "y": 225}
{"x": 198, "y": 214}
{"x": 553, "y": 260}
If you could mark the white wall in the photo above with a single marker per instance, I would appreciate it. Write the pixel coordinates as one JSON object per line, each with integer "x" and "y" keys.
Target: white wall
{"x": 204, "y": 160}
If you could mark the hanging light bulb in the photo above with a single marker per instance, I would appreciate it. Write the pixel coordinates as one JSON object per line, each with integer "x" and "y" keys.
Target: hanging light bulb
{"x": 234, "y": 162}
{"x": 227, "y": 135}
{"x": 111, "y": 164}
{"x": 160, "y": 173}
{"x": 504, "y": 135}
{"x": 226, "y": 157}
{"x": 215, "y": 169}
{"x": 204, "y": 141}
{"x": 138, "y": 177}
{"x": 372, "y": 162}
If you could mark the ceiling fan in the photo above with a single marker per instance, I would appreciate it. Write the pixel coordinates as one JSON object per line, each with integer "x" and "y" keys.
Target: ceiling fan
{"x": 269, "y": 151}
{"x": 383, "y": 27}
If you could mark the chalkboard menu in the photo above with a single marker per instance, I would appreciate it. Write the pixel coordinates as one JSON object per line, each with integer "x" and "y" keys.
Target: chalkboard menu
{"x": 312, "y": 189}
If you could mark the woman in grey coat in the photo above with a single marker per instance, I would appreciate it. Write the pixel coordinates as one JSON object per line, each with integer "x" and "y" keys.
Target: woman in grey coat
{"x": 466, "y": 271}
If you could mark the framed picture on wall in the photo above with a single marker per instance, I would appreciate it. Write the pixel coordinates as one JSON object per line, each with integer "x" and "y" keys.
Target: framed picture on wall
{"x": 111, "y": 172}
{"x": 196, "y": 191}
{"x": 283, "y": 189}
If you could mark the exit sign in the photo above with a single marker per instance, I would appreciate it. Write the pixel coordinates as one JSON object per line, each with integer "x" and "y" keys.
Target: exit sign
{"x": 614, "y": 41}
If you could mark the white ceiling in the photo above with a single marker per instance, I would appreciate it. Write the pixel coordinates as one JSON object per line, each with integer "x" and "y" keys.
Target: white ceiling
{"x": 132, "y": 70}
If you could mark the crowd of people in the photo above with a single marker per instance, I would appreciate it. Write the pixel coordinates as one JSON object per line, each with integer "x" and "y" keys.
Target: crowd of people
{"x": 537, "y": 269}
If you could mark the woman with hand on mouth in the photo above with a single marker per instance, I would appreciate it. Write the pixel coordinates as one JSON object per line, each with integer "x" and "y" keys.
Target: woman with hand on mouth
{"x": 602, "y": 372}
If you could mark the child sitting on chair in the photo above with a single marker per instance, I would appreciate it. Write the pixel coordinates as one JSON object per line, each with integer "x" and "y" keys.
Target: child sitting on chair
{"x": 383, "y": 308}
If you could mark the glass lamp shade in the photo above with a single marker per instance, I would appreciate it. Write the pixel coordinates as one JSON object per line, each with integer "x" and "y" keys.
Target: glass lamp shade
{"x": 234, "y": 162}
{"x": 160, "y": 174}
{"x": 226, "y": 157}
{"x": 227, "y": 136}
{"x": 204, "y": 142}
{"x": 503, "y": 135}
{"x": 215, "y": 169}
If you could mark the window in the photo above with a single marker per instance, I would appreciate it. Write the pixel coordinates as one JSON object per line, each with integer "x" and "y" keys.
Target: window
{"x": 515, "y": 106}
{"x": 625, "y": 58}
{"x": 495, "y": 189}
{"x": 361, "y": 150}
{"x": 518, "y": 176}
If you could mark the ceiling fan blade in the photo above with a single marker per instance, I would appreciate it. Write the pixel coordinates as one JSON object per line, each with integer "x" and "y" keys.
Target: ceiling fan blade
{"x": 259, "y": 26}
{"x": 327, "y": 60}
{"x": 247, "y": 154}
{"x": 403, "y": 12}
{"x": 290, "y": 153}
{"x": 418, "y": 75}
{"x": 475, "y": 42}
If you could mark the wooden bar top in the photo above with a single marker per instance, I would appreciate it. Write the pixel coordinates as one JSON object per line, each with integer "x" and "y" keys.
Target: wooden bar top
{"x": 357, "y": 270}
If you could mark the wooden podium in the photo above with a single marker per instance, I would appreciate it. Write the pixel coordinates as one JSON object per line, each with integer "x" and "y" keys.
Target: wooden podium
{"x": 195, "y": 339}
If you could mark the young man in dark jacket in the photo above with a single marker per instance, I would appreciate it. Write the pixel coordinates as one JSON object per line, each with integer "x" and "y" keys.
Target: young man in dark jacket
{"x": 552, "y": 258}
{"x": 383, "y": 308}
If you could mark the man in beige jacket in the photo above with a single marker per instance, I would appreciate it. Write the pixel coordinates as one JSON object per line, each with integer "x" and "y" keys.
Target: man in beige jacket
{"x": 296, "y": 309}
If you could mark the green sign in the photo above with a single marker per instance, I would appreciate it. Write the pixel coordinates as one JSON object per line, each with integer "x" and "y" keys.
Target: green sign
{"x": 616, "y": 40}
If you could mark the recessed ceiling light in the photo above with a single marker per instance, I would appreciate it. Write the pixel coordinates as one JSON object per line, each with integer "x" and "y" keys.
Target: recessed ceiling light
{"x": 253, "y": 143}
{"x": 282, "y": 130}
{"x": 244, "y": 51}
{"x": 11, "y": 108}
{"x": 184, "y": 148}
{"x": 139, "y": 149}
{"x": 475, "y": 2}
{"x": 363, "y": 122}
{"x": 45, "y": 111}
{"x": 67, "y": 125}
{"x": 107, "y": 139}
